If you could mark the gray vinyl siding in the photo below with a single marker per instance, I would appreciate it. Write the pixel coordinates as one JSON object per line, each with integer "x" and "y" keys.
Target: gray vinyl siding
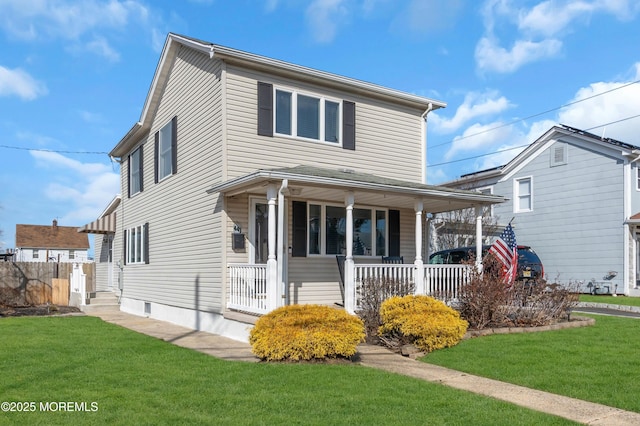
{"x": 185, "y": 239}
{"x": 635, "y": 190}
{"x": 102, "y": 262}
{"x": 576, "y": 225}
{"x": 388, "y": 137}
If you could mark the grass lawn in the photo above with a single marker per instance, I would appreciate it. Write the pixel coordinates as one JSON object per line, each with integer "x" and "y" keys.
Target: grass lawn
{"x": 137, "y": 379}
{"x": 597, "y": 363}
{"x": 611, "y": 300}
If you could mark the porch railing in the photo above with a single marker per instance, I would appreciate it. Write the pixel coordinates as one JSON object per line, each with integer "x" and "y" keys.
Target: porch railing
{"x": 248, "y": 288}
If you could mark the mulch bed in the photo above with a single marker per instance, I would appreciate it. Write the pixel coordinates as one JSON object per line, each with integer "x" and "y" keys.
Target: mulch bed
{"x": 36, "y": 311}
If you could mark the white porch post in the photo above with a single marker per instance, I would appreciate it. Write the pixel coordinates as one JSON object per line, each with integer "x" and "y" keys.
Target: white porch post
{"x": 479, "y": 238}
{"x": 272, "y": 263}
{"x": 419, "y": 275}
{"x": 349, "y": 270}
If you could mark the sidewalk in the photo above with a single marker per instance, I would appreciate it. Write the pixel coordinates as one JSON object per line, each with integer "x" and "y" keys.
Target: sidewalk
{"x": 383, "y": 359}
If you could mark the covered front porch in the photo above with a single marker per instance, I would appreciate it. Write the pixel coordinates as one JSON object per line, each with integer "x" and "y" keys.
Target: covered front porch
{"x": 332, "y": 230}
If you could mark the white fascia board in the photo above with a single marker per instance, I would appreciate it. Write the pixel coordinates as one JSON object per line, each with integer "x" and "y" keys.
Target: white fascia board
{"x": 262, "y": 175}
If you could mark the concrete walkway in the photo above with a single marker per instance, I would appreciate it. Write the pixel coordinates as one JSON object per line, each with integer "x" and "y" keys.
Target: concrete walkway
{"x": 383, "y": 359}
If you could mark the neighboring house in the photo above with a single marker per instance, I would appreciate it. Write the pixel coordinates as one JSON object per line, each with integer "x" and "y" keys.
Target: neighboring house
{"x": 246, "y": 177}
{"x": 104, "y": 229}
{"x": 574, "y": 198}
{"x": 42, "y": 243}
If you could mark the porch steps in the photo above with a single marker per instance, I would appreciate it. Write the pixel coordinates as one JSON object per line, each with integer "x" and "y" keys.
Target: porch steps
{"x": 101, "y": 302}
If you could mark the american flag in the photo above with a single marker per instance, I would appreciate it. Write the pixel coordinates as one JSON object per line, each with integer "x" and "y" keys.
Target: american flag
{"x": 505, "y": 250}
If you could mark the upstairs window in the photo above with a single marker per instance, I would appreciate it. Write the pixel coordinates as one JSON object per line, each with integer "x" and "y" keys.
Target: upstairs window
{"x": 166, "y": 150}
{"x": 307, "y": 116}
{"x": 135, "y": 172}
{"x": 523, "y": 195}
{"x": 287, "y": 112}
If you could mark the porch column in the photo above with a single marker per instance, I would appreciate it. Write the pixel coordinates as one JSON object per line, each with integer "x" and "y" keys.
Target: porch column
{"x": 349, "y": 270}
{"x": 419, "y": 274}
{"x": 479, "y": 238}
{"x": 272, "y": 263}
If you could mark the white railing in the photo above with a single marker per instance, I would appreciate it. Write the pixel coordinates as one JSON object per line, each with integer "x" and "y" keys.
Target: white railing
{"x": 248, "y": 288}
{"x": 440, "y": 281}
{"x": 444, "y": 281}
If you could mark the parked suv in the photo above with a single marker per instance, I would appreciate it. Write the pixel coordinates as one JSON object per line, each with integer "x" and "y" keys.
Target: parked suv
{"x": 529, "y": 264}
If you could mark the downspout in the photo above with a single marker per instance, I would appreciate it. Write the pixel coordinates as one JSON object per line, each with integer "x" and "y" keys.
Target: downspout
{"x": 424, "y": 142}
{"x": 280, "y": 244}
{"x": 122, "y": 248}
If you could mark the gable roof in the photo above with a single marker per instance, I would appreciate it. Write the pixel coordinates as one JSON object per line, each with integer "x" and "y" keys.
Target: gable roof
{"x": 250, "y": 60}
{"x": 333, "y": 184}
{"x": 51, "y": 237}
{"x": 624, "y": 150}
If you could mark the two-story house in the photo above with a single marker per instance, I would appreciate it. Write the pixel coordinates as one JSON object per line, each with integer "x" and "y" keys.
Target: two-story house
{"x": 246, "y": 179}
{"x": 575, "y": 198}
{"x": 50, "y": 243}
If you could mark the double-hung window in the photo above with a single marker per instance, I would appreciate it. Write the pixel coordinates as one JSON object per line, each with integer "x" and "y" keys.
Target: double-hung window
{"x": 166, "y": 150}
{"x": 136, "y": 243}
{"x": 307, "y": 116}
{"x": 523, "y": 195}
{"x": 327, "y": 231}
{"x": 135, "y": 171}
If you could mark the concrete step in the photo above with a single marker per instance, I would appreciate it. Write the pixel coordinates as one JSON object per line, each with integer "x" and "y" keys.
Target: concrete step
{"x": 102, "y": 301}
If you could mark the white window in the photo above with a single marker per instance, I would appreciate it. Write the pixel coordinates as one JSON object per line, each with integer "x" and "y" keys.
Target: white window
{"x": 165, "y": 151}
{"x": 135, "y": 171}
{"x": 307, "y": 116}
{"x": 72, "y": 254}
{"x": 36, "y": 254}
{"x": 523, "y": 194}
{"x": 327, "y": 231}
{"x": 136, "y": 244}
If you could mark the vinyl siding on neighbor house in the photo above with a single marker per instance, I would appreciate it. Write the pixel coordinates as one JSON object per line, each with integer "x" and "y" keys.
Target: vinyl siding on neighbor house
{"x": 576, "y": 222}
{"x": 388, "y": 137}
{"x": 185, "y": 240}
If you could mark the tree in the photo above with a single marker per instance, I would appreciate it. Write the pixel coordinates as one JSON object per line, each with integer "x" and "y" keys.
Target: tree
{"x": 458, "y": 229}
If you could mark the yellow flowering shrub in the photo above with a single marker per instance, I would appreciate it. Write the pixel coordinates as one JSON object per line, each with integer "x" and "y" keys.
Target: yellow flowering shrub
{"x": 306, "y": 332}
{"x": 425, "y": 322}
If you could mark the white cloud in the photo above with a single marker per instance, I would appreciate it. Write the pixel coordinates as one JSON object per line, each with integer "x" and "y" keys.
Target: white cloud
{"x": 474, "y": 105}
{"x": 324, "y": 17}
{"x": 86, "y": 188}
{"x": 492, "y": 57}
{"x": 539, "y": 29}
{"x": 16, "y": 82}
{"x": 478, "y": 137}
{"x": 73, "y": 20}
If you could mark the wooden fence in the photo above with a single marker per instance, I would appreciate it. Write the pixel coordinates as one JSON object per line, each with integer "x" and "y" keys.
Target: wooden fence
{"x": 37, "y": 283}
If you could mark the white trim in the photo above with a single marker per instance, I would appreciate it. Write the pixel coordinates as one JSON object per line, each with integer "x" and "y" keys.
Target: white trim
{"x": 169, "y": 125}
{"x": 295, "y": 93}
{"x": 516, "y": 194}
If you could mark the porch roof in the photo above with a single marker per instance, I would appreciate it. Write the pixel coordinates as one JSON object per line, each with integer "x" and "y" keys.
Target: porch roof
{"x": 314, "y": 183}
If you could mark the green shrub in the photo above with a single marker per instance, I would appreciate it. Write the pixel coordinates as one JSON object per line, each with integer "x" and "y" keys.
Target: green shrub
{"x": 425, "y": 322}
{"x": 306, "y": 332}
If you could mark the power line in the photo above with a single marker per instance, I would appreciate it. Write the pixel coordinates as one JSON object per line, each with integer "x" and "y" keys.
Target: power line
{"x": 57, "y": 151}
{"x": 525, "y": 145}
{"x": 535, "y": 115}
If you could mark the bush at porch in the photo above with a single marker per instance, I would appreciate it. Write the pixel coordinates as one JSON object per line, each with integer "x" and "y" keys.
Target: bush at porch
{"x": 423, "y": 321}
{"x": 306, "y": 332}
{"x": 488, "y": 302}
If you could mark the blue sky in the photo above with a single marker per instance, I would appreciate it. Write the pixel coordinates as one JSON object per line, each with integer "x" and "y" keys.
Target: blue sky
{"x": 74, "y": 76}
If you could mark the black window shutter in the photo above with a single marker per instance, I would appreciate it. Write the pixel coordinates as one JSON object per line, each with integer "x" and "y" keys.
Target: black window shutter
{"x": 141, "y": 159}
{"x": 156, "y": 147}
{"x": 299, "y": 225}
{"x": 174, "y": 145}
{"x": 124, "y": 246}
{"x": 265, "y": 109}
{"x": 394, "y": 233}
{"x": 146, "y": 242}
{"x": 349, "y": 125}
{"x": 129, "y": 177}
